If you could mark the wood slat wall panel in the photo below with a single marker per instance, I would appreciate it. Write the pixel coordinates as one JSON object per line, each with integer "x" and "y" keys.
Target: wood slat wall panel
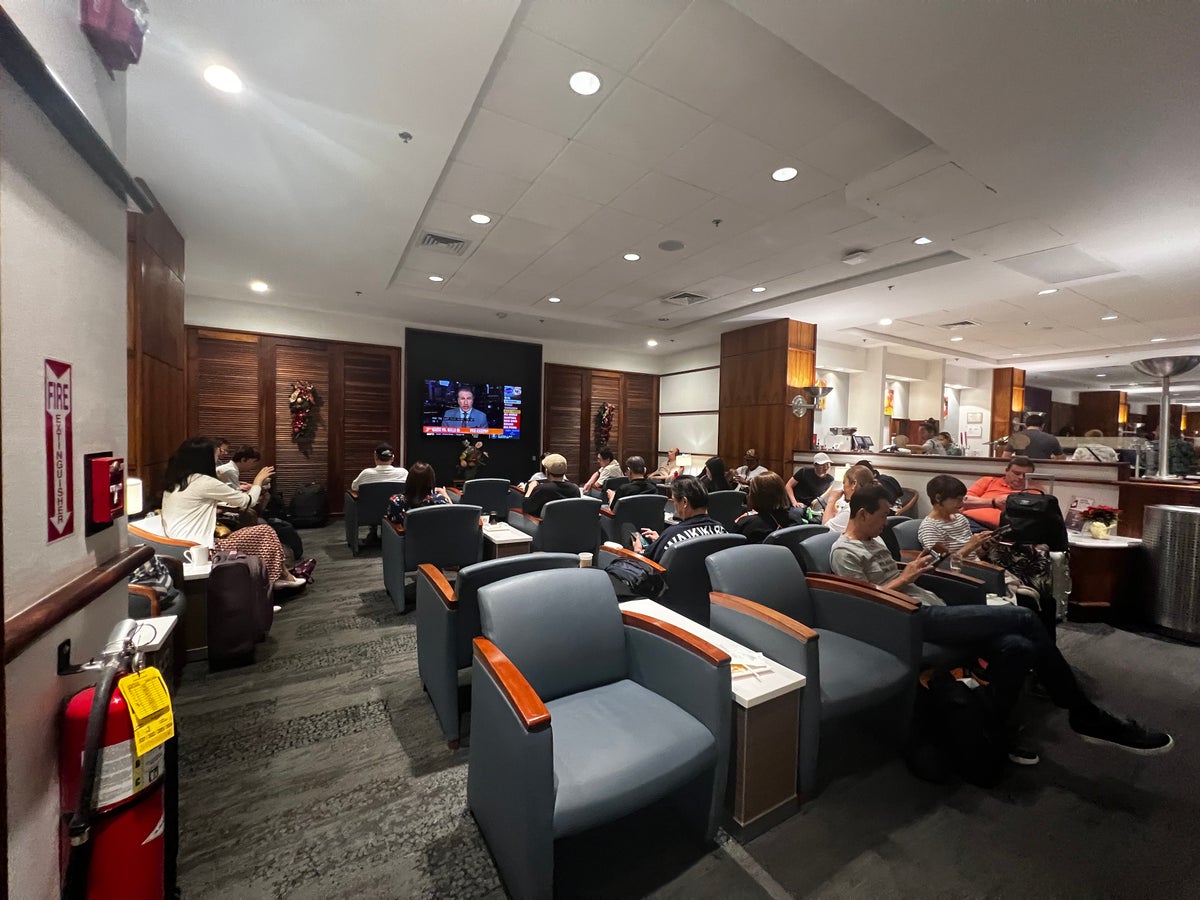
{"x": 564, "y": 415}
{"x": 369, "y": 381}
{"x": 300, "y": 464}
{"x": 605, "y": 388}
{"x": 224, "y": 397}
{"x": 639, "y": 405}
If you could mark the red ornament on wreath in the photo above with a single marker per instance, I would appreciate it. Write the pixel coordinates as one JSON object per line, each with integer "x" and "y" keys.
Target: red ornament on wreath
{"x": 604, "y": 424}
{"x": 303, "y": 402}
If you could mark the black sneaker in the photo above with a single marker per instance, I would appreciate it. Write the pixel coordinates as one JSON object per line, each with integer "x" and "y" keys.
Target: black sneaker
{"x": 1100, "y": 727}
{"x": 1023, "y": 756}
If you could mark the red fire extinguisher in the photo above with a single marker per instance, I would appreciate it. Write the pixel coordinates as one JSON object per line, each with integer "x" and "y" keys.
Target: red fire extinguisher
{"x": 113, "y": 797}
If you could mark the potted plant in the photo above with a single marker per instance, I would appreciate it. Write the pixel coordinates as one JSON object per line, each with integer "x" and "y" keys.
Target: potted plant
{"x": 1101, "y": 521}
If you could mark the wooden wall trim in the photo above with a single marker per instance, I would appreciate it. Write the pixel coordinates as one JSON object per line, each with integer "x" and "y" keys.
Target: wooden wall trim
{"x": 690, "y": 371}
{"x": 692, "y": 412}
{"x": 27, "y": 626}
{"x": 235, "y": 334}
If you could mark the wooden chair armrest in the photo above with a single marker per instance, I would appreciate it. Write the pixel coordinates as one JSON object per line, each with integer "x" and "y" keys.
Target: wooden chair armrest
{"x": 714, "y": 656}
{"x": 605, "y": 511}
{"x": 440, "y": 585}
{"x": 397, "y": 527}
{"x": 630, "y": 554}
{"x": 158, "y": 538}
{"x": 863, "y": 591}
{"x": 520, "y": 694}
{"x": 353, "y": 494}
{"x": 175, "y": 567}
{"x": 149, "y": 593}
{"x": 453, "y": 490}
{"x": 983, "y": 565}
{"x": 786, "y": 624}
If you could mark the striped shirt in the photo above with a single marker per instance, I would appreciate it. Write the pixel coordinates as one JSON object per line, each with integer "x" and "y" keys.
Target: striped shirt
{"x": 953, "y": 533}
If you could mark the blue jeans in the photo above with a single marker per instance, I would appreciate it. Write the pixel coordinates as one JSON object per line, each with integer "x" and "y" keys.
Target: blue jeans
{"x": 1013, "y": 640}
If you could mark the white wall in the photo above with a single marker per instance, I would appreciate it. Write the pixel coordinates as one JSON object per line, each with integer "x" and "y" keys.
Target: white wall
{"x": 837, "y": 406}
{"x": 62, "y": 284}
{"x": 925, "y": 396}
{"x": 866, "y": 396}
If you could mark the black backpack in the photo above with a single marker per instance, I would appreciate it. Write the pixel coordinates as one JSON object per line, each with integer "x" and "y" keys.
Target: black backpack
{"x": 958, "y": 730}
{"x": 1032, "y": 517}
{"x": 633, "y": 578}
{"x": 309, "y": 507}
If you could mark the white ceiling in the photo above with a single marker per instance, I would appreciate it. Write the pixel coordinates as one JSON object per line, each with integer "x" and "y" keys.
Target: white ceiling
{"x": 1039, "y": 144}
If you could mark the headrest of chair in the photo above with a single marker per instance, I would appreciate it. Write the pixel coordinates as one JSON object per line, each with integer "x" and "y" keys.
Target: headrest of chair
{"x": 765, "y": 573}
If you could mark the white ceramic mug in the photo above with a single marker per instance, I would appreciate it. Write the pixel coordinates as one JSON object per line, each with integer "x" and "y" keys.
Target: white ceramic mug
{"x": 197, "y": 555}
{"x": 585, "y": 560}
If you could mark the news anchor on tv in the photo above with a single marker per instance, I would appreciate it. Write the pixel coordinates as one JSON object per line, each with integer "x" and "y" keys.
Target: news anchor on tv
{"x": 465, "y": 415}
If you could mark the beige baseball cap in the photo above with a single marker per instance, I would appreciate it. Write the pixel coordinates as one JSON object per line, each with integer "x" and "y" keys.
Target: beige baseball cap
{"x": 555, "y": 463}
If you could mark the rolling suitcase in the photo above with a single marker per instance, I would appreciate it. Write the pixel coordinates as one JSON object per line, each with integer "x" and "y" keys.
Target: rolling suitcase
{"x": 240, "y": 611}
{"x": 309, "y": 507}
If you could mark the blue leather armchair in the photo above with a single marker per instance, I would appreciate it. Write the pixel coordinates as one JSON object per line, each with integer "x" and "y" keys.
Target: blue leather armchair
{"x": 493, "y": 495}
{"x": 582, "y": 714}
{"x": 367, "y": 507}
{"x": 565, "y": 526}
{"x": 632, "y": 514}
{"x": 726, "y": 506}
{"x": 686, "y": 576}
{"x": 448, "y": 621}
{"x": 446, "y": 536}
{"x": 991, "y": 575}
{"x": 858, "y": 646}
{"x": 793, "y": 536}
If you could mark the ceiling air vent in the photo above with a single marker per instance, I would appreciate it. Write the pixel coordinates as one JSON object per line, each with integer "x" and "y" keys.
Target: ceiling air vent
{"x": 444, "y": 243}
{"x": 685, "y": 298}
{"x": 965, "y": 323}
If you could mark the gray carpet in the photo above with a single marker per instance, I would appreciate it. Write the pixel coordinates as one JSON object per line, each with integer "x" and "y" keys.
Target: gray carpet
{"x": 320, "y": 772}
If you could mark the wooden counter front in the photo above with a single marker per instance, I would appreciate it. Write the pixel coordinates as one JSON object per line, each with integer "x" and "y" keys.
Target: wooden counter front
{"x": 1137, "y": 494}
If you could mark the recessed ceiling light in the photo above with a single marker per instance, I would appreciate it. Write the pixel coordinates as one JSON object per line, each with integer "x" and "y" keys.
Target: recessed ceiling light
{"x": 480, "y": 218}
{"x": 787, "y": 173}
{"x": 922, "y": 241}
{"x": 223, "y": 79}
{"x": 1108, "y": 318}
{"x": 554, "y": 299}
{"x": 652, "y": 343}
{"x": 1047, "y": 291}
{"x": 632, "y": 257}
{"x": 1157, "y": 340}
{"x": 757, "y": 290}
{"x": 1101, "y": 375}
{"x": 586, "y": 83}
{"x": 436, "y": 278}
{"x": 259, "y": 287}
{"x": 885, "y": 321}
{"x": 956, "y": 338}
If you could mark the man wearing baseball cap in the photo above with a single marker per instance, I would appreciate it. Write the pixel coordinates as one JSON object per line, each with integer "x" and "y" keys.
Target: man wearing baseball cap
{"x": 554, "y": 487}
{"x": 752, "y": 469}
{"x": 811, "y": 482}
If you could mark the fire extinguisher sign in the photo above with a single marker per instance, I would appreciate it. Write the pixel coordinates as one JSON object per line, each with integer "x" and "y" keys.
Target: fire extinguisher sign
{"x": 60, "y": 480}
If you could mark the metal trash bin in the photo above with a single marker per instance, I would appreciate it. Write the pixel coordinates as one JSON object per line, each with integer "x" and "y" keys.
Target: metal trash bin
{"x": 1171, "y": 535}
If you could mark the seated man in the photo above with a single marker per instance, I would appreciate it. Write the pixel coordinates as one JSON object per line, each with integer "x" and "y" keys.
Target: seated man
{"x": 635, "y": 468}
{"x": 809, "y": 483}
{"x": 985, "y": 498}
{"x": 691, "y": 509}
{"x": 383, "y": 470}
{"x": 554, "y": 487}
{"x": 608, "y": 469}
{"x": 890, "y": 484}
{"x": 1094, "y": 452}
{"x": 668, "y": 470}
{"x": 1010, "y": 638}
{"x": 752, "y": 469}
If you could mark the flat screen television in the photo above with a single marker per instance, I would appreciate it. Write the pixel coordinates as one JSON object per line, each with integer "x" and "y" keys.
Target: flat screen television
{"x": 456, "y": 408}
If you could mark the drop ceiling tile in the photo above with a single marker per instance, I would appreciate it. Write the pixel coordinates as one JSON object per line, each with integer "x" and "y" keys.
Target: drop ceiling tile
{"x": 531, "y": 85}
{"x": 615, "y": 32}
{"x": 480, "y": 189}
{"x": 811, "y": 221}
{"x": 870, "y": 234}
{"x": 938, "y": 195}
{"x": 500, "y": 144}
{"x": 710, "y": 55}
{"x": 576, "y": 253}
{"x": 453, "y": 220}
{"x": 640, "y": 123}
{"x": 856, "y": 147}
{"x": 661, "y": 198}
{"x": 1059, "y": 264}
{"x": 613, "y": 224}
{"x": 552, "y": 208}
{"x": 431, "y": 262}
{"x": 526, "y": 240}
{"x": 719, "y": 157}
{"x": 592, "y": 174}
{"x": 596, "y": 283}
{"x": 490, "y": 266}
{"x": 1010, "y": 239}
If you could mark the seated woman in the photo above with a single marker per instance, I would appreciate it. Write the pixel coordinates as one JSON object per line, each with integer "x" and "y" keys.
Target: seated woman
{"x": 714, "y": 477}
{"x": 189, "y": 511}
{"x": 769, "y": 509}
{"x": 837, "y": 508}
{"x": 419, "y": 490}
{"x": 1027, "y": 568}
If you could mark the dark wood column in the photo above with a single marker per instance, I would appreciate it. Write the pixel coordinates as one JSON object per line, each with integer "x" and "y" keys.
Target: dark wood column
{"x": 762, "y": 368}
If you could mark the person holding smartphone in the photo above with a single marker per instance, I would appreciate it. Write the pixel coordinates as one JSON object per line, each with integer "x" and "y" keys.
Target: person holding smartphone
{"x": 691, "y": 508}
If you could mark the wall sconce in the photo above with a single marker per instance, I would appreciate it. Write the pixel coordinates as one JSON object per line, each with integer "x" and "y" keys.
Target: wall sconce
{"x": 133, "y": 497}
{"x": 807, "y": 399}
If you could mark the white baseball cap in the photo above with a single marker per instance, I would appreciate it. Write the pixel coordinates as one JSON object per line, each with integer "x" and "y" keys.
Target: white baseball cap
{"x": 822, "y": 459}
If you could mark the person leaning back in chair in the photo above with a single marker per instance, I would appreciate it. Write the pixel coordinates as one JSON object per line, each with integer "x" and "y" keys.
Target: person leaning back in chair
{"x": 985, "y": 498}
{"x": 1010, "y": 638}
{"x": 691, "y": 508}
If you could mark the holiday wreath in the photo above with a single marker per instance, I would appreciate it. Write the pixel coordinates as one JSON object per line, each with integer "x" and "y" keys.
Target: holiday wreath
{"x": 303, "y": 404}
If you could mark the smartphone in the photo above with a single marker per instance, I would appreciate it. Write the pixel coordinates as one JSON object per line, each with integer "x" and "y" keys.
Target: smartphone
{"x": 635, "y": 539}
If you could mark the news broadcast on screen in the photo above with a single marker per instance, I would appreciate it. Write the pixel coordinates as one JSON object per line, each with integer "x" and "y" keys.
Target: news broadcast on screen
{"x": 456, "y": 408}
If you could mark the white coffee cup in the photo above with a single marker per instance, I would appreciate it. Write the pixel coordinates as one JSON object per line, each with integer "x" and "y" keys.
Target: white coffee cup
{"x": 197, "y": 555}
{"x": 585, "y": 560}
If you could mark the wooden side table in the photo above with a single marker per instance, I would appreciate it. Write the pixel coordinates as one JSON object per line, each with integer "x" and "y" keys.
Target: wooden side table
{"x": 502, "y": 540}
{"x": 1104, "y": 573}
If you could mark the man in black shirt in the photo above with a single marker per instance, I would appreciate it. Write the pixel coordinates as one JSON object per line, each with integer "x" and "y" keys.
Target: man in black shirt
{"x": 810, "y": 483}
{"x": 691, "y": 508}
{"x": 635, "y": 468}
{"x": 554, "y": 487}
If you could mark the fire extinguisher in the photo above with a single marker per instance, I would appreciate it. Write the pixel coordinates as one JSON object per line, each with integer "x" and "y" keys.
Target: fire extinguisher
{"x": 113, "y": 798}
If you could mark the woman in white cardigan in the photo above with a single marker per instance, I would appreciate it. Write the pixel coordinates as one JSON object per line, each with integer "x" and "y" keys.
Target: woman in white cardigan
{"x": 189, "y": 510}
